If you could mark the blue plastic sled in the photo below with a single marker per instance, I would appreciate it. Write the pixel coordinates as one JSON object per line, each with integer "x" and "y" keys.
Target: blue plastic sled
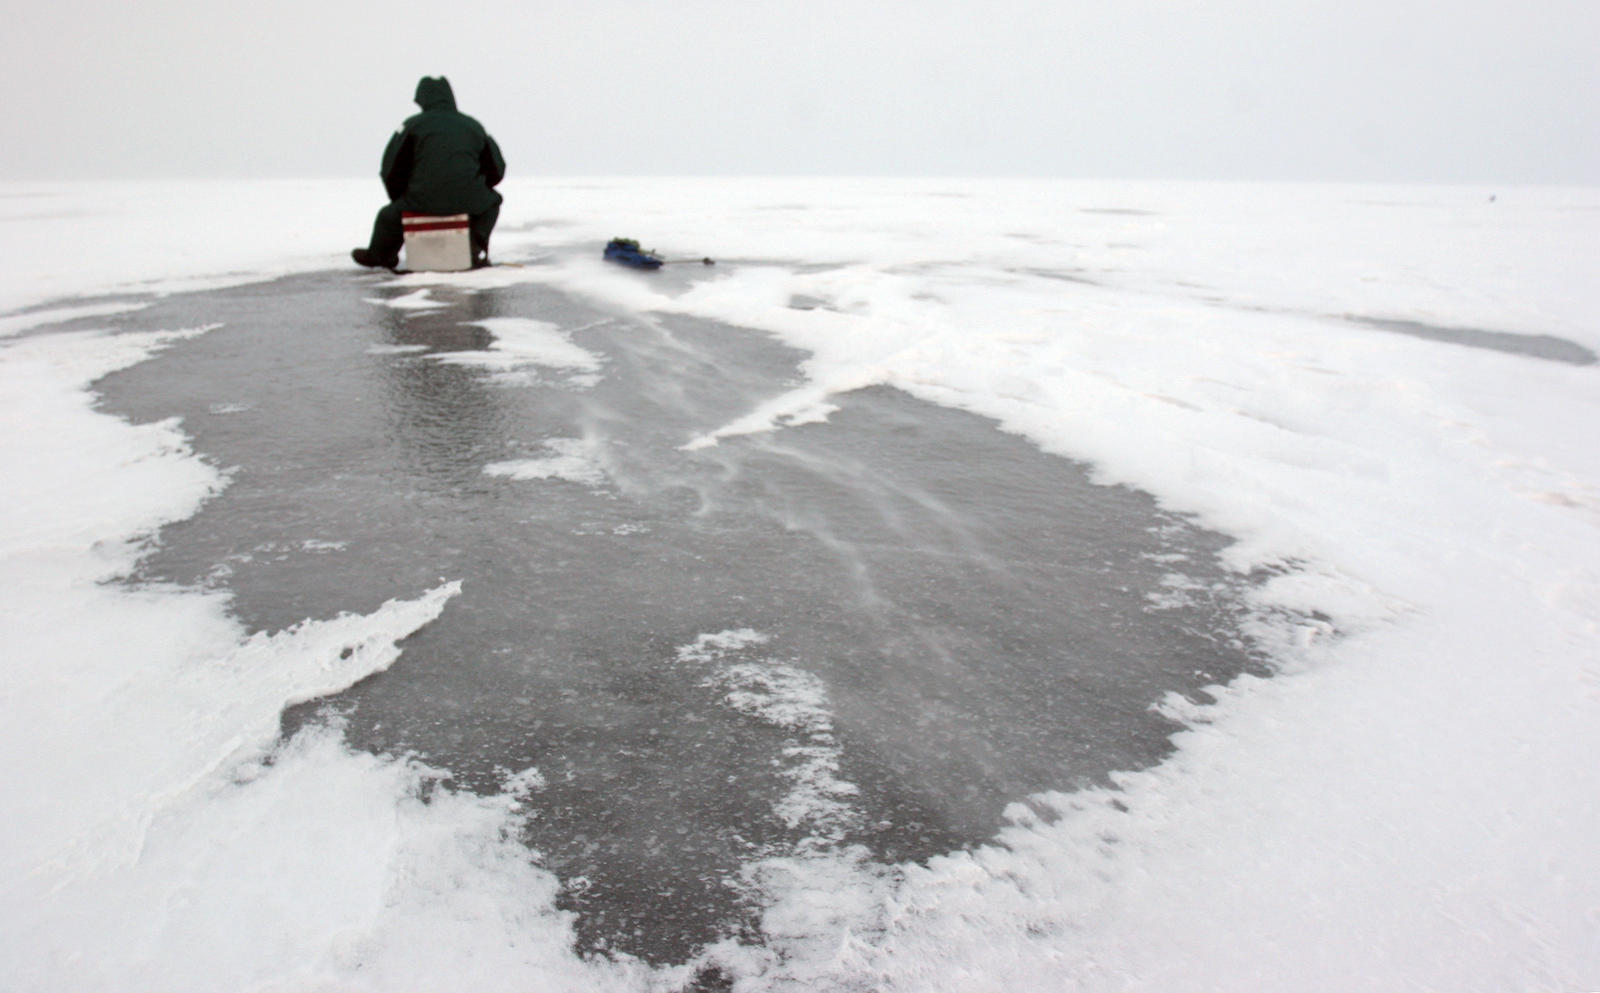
{"x": 626, "y": 251}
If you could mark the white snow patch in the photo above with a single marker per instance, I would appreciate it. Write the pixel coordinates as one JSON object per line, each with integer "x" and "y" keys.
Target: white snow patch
{"x": 577, "y": 460}
{"x": 416, "y": 300}
{"x": 161, "y": 236}
{"x": 395, "y": 349}
{"x": 522, "y": 784}
{"x": 520, "y": 343}
{"x": 708, "y": 647}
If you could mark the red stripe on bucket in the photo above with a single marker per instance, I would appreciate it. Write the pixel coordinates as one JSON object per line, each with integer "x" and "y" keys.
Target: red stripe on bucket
{"x": 430, "y": 222}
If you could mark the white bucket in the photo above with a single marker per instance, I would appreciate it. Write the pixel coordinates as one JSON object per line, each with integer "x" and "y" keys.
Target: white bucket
{"x": 438, "y": 244}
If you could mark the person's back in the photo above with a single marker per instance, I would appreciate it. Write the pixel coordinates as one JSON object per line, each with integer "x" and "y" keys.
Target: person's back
{"x": 440, "y": 161}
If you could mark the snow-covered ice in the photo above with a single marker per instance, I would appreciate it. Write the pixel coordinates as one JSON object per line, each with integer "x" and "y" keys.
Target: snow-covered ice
{"x": 1409, "y": 804}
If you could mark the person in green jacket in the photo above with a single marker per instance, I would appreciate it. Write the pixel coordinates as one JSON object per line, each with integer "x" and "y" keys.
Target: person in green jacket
{"x": 440, "y": 162}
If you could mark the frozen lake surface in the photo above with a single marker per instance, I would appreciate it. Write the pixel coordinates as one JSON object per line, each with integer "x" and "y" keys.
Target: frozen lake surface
{"x": 878, "y": 629}
{"x": 979, "y": 585}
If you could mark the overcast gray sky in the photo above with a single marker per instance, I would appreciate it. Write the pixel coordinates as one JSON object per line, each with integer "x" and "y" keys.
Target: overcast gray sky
{"x": 1385, "y": 90}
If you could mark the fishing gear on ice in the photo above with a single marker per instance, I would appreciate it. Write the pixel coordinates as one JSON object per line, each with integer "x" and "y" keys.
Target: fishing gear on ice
{"x": 626, "y": 251}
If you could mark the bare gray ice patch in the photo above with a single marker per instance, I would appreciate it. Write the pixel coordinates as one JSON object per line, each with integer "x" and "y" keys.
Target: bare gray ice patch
{"x": 1537, "y": 346}
{"x": 878, "y": 630}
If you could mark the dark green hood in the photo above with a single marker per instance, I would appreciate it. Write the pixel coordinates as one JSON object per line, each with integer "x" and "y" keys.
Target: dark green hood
{"x": 441, "y": 161}
{"x": 434, "y": 93}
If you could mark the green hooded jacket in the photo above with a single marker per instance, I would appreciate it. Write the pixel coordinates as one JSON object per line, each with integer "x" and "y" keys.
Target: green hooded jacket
{"x": 441, "y": 161}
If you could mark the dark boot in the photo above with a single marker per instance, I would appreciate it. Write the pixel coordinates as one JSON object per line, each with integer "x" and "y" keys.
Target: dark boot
{"x": 388, "y": 234}
{"x": 365, "y": 257}
{"x": 482, "y": 225}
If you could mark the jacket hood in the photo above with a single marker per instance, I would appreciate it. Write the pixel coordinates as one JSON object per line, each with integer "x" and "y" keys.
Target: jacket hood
{"x": 433, "y": 93}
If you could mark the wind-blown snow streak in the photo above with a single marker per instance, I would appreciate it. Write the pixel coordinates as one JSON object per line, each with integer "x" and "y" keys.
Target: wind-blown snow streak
{"x": 821, "y": 896}
{"x": 787, "y": 697}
